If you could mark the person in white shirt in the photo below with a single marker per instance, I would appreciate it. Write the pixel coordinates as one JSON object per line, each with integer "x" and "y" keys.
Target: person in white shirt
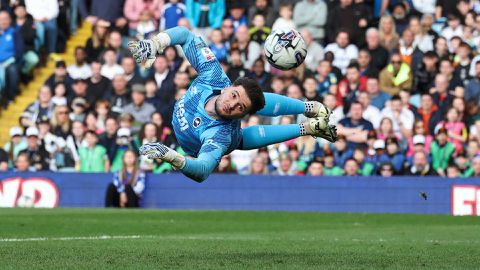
{"x": 285, "y": 20}
{"x": 424, "y": 6}
{"x": 343, "y": 51}
{"x": 315, "y": 51}
{"x": 110, "y": 69}
{"x": 402, "y": 118}
{"x": 81, "y": 69}
{"x": 370, "y": 112}
{"x": 453, "y": 29}
{"x": 45, "y": 13}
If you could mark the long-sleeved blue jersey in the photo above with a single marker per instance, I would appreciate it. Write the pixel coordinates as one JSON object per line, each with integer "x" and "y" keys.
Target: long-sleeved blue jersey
{"x": 199, "y": 134}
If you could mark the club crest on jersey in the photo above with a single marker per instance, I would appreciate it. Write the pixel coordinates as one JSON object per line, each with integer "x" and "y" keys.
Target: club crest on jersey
{"x": 207, "y": 54}
{"x": 196, "y": 122}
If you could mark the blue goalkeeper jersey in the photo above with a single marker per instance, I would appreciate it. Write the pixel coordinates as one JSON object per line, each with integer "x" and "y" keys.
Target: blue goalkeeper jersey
{"x": 196, "y": 131}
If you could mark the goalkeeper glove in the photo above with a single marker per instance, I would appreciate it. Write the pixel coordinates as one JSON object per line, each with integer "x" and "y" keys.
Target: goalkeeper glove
{"x": 146, "y": 50}
{"x": 160, "y": 151}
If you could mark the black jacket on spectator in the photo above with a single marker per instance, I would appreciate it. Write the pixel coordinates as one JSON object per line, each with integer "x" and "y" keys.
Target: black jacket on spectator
{"x": 39, "y": 158}
{"x": 28, "y": 32}
{"x": 117, "y": 102}
{"x": 51, "y": 81}
{"x": 92, "y": 52}
{"x": 108, "y": 10}
{"x": 110, "y": 143}
{"x": 234, "y": 72}
{"x": 99, "y": 90}
{"x": 348, "y": 19}
{"x": 431, "y": 172}
{"x": 422, "y": 80}
{"x": 380, "y": 57}
{"x": 443, "y": 103}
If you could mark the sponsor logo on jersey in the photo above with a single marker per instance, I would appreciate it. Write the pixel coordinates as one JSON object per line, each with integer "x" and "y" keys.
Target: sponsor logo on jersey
{"x": 200, "y": 45}
{"x": 207, "y": 54}
{"x": 196, "y": 122}
{"x": 181, "y": 115}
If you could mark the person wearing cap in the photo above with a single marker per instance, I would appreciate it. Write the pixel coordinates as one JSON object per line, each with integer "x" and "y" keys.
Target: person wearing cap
{"x": 124, "y": 142}
{"x": 441, "y": 150}
{"x": 93, "y": 157}
{"x": 16, "y": 144}
{"x": 79, "y": 107}
{"x": 47, "y": 139}
{"x": 38, "y": 156}
{"x": 140, "y": 109}
{"x": 60, "y": 74}
{"x": 394, "y": 155}
{"x": 421, "y": 166}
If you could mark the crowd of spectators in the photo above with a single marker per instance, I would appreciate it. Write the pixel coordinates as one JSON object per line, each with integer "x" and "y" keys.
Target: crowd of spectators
{"x": 401, "y": 77}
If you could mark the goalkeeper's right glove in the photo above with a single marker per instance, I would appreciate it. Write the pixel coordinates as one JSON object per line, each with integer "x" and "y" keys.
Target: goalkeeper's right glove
{"x": 146, "y": 50}
{"x": 158, "y": 150}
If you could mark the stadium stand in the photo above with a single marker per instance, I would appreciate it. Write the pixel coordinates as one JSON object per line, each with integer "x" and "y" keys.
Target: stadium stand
{"x": 402, "y": 81}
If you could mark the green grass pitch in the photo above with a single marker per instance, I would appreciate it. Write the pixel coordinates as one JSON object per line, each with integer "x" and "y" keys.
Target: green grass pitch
{"x": 152, "y": 239}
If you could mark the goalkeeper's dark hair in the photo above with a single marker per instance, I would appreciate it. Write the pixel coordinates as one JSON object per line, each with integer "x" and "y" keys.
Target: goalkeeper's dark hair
{"x": 254, "y": 93}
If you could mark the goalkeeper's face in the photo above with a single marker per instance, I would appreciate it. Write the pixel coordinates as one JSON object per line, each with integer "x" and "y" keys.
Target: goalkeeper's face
{"x": 233, "y": 103}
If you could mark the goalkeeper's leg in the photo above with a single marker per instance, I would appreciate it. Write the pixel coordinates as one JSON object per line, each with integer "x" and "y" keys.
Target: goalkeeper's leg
{"x": 262, "y": 135}
{"x": 276, "y": 105}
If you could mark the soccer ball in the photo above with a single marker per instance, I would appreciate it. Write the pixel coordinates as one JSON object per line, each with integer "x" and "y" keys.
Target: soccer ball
{"x": 285, "y": 49}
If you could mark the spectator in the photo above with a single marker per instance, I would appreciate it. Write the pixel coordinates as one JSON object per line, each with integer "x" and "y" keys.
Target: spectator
{"x": 365, "y": 66}
{"x": 59, "y": 94}
{"x": 312, "y": 16}
{"x": 285, "y": 20}
{"x": 258, "y": 32}
{"x": 330, "y": 169}
{"x": 35, "y": 152}
{"x": 227, "y": 32}
{"x": 475, "y": 169}
{"x": 128, "y": 184}
{"x": 440, "y": 93}
{"x": 119, "y": 96}
{"x": 472, "y": 91}
{"x": 419, "y": 139}
{"x": 310, "y": 86}
{"x": 42, "y": 106}
{"x": 60, "y": 121}
{"x": 399, "y": 13}
{"x": 205, "y": 16}
{"x": 164, "y": 78}
{"x": 441, "y": 150}
{"x": 80, "y": 90}
{"x": 386, "y": 170}
{"x": 225, "y": 165}
{"x": 462, "y": 61}
{"x": 351, "y": 17}
{"x": 457, "y": 132}
{"x": 393, "y": 155}
{"x": 249, "y": 50}
{"x": 262, "y": 7}
{"x": 60, "y": 75}
{"x": 453, "y": 171}
{"x": 11, "y": 44}
{"x": 93, "y": 157}
{"x": 428, "y": 113}
{"x": 16, "y": 144}
{"x": 341, "y": 152}
{"x": 402, "y": 118}
{"x": 425, "y": 75}
{"x": 420, "y": 166}
{"x": 109, "y": 137}
{"x": 139, "y": 108}
{"x": 355, "y": 127}
{"x": 370, "y": 112}
{"x": 97, "y": 43}
{"x": 133, "y": 10}
{"x": 259, "y": 74}
{"x": 218, "y": 47}
{"x": 351, "y": 168}
{"x": 172, "y": 12}
{"x": 422, "y": 39}
{"x": 62, "y": 158}
{"x": 25, "y": 25}
{"x": 389, "y": 38}
{"x": 286, "y": 166}
{"x": 378, "y": 53}
{"x": 22, "y": 163}
{"x": 378, "y": 98}
{"x": 46, "y": 138}
{"x": 454, "y": 27}
{"x": 350, "y": 87}
{"x": 315, "y": 168}
{"x": 98, "y": 85}
{"x": 342, "y": 49}
{"x": 315, "y": 50}
{"x": 45, "y": 14}
{"x": 236, "y": 68}
{"x": 237, "y": 15}
{"x": 110, "y": 69}
{"x": 365, "y": 168}
{"x": 396, "y": 76}
{"x": 326, "y": 78}
{"x": 81, "y": 69}
{"x": 107, "y": 10}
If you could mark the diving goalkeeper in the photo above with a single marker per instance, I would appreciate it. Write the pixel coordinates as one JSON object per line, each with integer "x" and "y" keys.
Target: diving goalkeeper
{"x": 207, "y": 118}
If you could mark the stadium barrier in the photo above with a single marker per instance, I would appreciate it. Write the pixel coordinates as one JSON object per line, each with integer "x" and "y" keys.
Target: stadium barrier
{"x": 235, "y": 192}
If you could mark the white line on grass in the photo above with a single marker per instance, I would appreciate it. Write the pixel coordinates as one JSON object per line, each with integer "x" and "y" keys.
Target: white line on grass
{"x": 101, "y": 237}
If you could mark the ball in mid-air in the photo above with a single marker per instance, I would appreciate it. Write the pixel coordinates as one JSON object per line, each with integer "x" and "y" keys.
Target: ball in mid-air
{"x": 285, "y": 49}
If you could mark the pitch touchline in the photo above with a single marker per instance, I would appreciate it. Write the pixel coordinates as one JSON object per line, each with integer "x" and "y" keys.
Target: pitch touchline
{"x": 101, "y": 237}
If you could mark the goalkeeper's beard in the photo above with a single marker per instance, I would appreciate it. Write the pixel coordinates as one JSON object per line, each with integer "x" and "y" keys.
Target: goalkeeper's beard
{"x": 218, "y": 110}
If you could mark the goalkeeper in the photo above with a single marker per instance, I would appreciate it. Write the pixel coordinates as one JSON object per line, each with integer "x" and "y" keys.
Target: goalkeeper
{"x": 206, "y": 120}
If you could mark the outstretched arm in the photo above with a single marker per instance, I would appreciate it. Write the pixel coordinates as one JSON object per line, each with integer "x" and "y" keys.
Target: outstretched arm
{"x": 196, "y": 169}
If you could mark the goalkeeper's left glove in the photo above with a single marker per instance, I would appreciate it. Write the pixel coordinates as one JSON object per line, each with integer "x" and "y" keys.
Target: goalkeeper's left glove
{"x": 146, "y": 50}
{"x": 160, "y": 151}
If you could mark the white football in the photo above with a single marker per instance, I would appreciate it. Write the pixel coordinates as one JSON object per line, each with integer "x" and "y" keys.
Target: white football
{"x": 285, "y": 49}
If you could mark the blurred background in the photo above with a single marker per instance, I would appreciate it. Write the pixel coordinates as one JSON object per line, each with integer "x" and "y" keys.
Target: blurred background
{"x": 402, "y": 79}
